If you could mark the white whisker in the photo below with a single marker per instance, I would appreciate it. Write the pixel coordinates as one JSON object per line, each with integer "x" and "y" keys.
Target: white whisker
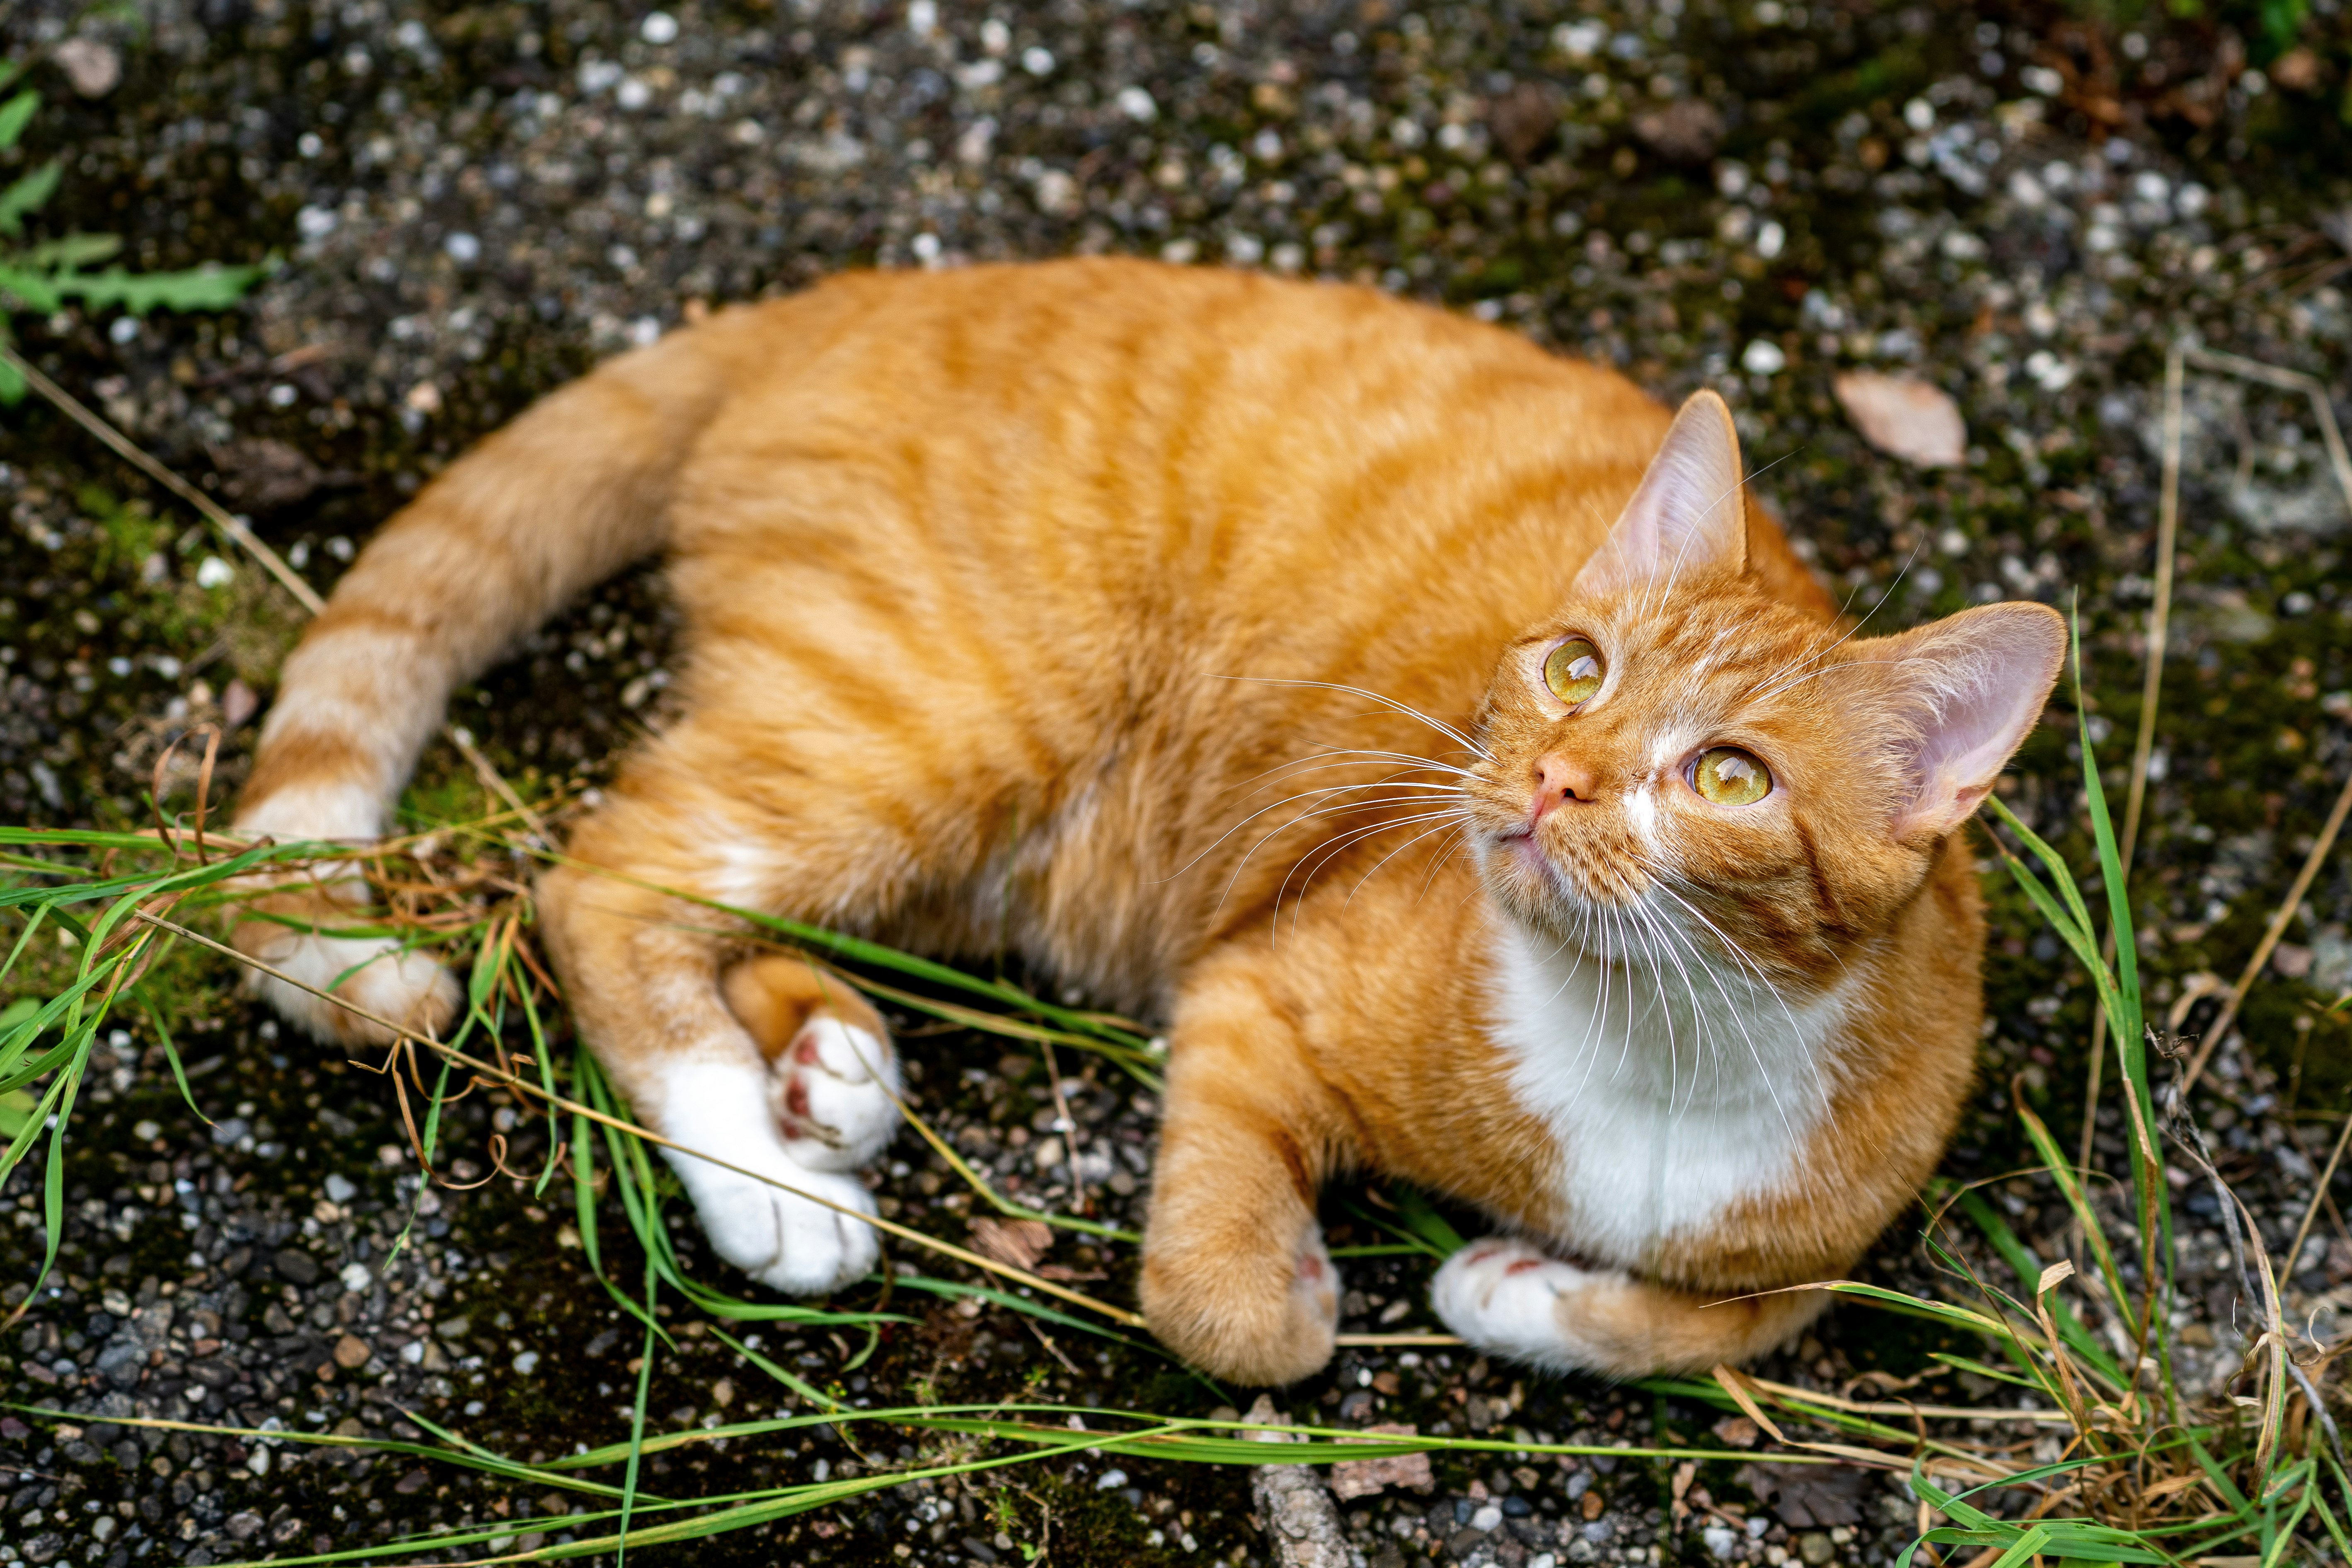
{"x": 1448, "y": 731}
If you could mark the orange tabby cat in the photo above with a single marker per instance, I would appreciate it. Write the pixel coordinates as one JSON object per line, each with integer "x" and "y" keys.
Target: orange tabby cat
{"x": 1424, "y": 726}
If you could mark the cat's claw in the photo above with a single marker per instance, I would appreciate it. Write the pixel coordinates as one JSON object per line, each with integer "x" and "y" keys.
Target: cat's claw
{"x": 1503, "y": 1295}
{"x": 834, "y": 1090}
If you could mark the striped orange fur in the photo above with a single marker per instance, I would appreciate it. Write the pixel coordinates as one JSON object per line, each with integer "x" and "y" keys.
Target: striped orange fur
{"x": 1191, "y": 634}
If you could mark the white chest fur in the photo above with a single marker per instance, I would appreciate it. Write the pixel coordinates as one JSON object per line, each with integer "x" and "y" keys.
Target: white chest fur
{"x": 1674, "y": 1090}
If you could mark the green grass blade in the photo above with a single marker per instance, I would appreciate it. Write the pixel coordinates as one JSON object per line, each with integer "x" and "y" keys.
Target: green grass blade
{"x": 637, "y": 1411}
{"x": 171, "y": 1052}
{"x": 2029, "y": 1267}
{"x": 2111, "y": 875}
{"x": 2095, "y": 1235}
{"x": 796, "y": 1384}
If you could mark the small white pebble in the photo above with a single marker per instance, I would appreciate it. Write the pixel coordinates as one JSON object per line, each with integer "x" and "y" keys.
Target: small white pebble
{"x": 213, "y": 572}
{"x": 1138, "y": 105}
{"x": 356, "y": 1277}
{"x": 1763, "y": 357}
{"x": 1110, "y": 1479}
{"x": 527, "y": 1362}
{"x": 1487, "y": 1518}
{"x": 658, "y": 28}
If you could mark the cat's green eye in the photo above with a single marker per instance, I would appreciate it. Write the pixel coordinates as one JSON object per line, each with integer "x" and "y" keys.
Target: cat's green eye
{"x": 1573, "y": 671}
{"x": 1729, "y": 776}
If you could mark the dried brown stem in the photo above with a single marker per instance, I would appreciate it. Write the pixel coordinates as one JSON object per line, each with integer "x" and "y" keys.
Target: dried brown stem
{"x": 2277, "y": 929}
{"x": 243, "y": 536}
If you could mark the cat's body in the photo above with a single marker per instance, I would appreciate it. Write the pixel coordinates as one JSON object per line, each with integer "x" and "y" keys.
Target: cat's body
{"x": 1100, "y": 612}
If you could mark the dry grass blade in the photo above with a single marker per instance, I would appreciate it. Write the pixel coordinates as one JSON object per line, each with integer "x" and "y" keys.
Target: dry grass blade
{"x": 2319, "y": 1194}
{"x": 2331, "y": 435}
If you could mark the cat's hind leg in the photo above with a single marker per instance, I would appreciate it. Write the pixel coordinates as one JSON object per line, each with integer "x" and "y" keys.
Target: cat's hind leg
{"x": 1507, "y": 1296}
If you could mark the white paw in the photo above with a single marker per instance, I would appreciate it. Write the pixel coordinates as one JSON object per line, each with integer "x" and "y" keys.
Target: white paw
{"x": 835, "y": 1091}
{"x": 780, "y": 1237}
{"x": 371, "y": 972}
{"x": 1503, "y": 1295}
{"x": 782, "y": 1240}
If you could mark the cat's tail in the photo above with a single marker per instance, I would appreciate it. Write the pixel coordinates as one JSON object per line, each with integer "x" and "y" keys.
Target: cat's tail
{"x": 571, "y": 492}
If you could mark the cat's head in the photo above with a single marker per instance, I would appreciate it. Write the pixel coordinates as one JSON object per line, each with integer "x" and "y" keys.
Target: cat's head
{"x": 1676, "y": 746}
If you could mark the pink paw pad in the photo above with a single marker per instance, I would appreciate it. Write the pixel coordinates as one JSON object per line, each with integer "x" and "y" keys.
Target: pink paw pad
{"x": 805, "y": 1051}
{"x": 834, "y": 1094}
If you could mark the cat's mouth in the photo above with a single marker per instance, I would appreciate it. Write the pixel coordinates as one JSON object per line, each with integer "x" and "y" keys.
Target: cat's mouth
{"x": 1546, "y": 885}
{"x": 1517, "y": 853}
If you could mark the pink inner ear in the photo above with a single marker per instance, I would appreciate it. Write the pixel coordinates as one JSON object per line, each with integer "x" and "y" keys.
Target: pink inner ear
{"x": 1978, "y": 682}
{"x": 1688, "y": 515}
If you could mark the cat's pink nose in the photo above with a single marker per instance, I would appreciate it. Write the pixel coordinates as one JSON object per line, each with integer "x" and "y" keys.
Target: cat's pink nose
{"x": 1562, "y": 781}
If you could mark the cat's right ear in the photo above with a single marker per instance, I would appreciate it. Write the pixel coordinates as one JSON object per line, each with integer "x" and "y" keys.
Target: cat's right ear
{"x": 1689, "y": 514}
{"x": 1972, "y": 687}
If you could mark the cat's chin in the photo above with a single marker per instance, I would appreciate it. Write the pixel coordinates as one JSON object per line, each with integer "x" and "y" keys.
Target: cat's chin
{"x": 1529, "y": 886}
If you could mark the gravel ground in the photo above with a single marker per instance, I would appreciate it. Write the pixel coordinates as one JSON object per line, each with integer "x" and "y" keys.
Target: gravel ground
{"x": 468, "y": 205}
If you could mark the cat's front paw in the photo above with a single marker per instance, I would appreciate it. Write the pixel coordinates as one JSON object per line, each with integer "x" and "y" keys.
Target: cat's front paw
{"x": 1504, "y": 1296}
{"x": 784, "y": 1240}
{"x": 834, "y": 1089}
{"x": 800, "y": 1231}
{"x": 1262, "y": 1322}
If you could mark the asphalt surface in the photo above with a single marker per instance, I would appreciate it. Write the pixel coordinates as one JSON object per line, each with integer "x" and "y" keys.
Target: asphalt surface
{"x": 468, "y": 205}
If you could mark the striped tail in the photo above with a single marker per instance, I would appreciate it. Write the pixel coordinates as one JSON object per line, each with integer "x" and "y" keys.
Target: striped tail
{"x": 571, "y": 492}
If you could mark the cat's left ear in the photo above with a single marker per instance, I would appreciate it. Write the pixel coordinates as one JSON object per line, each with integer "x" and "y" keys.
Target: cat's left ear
{"x": 1968, "y": 689}
{"x": 1689, "y": 514}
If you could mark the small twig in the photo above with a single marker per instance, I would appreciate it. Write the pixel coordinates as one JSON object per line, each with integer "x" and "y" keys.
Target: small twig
{"x": 493, "y": 780}
{"x": 1051, "y": 1348}
{"x": 2278, "y": 925}
{"x": 1379, "y": 1340}
{"x": 243, "y": 536}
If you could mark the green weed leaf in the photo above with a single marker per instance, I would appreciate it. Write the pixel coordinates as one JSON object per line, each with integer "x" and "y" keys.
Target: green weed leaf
{"x": 15, "y": 114}
{"x": 29, "y": 195}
